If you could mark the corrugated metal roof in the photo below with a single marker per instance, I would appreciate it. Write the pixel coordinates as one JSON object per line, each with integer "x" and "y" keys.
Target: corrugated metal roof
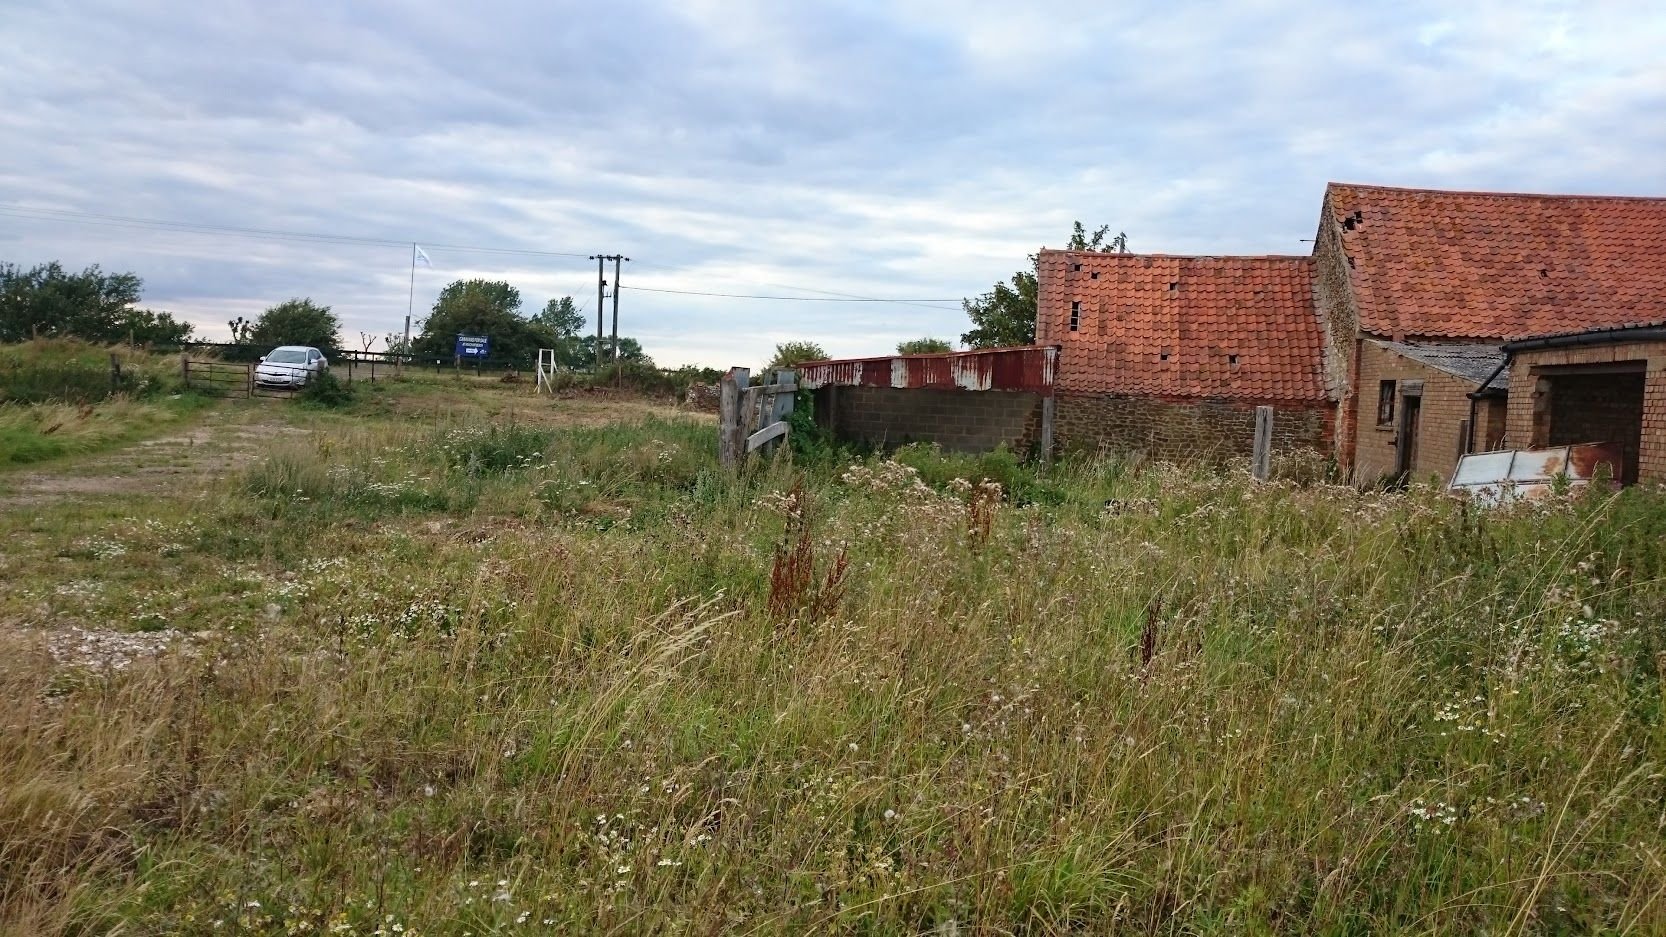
{"x": 1473, "y": 362}
{"x": 1026, "y": 368}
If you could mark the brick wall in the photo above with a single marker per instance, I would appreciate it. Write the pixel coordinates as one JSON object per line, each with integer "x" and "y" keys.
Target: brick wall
{"x": 1445, "y": 405}
{"x": 1182, "y": 429}
{"x": 1531, "y": 406}
{"x": 958, "y": 420}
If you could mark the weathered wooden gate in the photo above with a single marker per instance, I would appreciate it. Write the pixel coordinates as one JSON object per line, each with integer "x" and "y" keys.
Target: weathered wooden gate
{"x": 752, "y": 418}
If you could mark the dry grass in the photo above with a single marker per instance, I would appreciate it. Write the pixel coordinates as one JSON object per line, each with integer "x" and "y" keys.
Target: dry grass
{"x": 426, "y": 679}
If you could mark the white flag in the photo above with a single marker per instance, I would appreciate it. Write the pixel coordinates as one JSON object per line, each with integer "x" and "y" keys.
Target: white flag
{"x": 421, "y": 257}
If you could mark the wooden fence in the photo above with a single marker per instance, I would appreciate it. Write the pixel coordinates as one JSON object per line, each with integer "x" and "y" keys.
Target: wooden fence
{"x": 751, "y": 418}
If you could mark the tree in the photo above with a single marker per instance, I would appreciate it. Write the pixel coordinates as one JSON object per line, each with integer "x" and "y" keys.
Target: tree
{"x": 630, "y": 352}
{"x": 923, "y": 346}
{"x": 148, "y": 327}
{"x": 482, "y": 307}
{"x": 564, "y": 322}
{"x": 793, "y": 354}
{"x": 1005, "y": 315}
{"x": 47, "y": 300}
{"x": 297, "y": 321}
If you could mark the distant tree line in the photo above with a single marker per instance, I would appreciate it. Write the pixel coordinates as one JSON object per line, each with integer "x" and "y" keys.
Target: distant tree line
{"x": 48, "y": 301}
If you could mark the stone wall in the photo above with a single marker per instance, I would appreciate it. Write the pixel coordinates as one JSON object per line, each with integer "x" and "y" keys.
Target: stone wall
{"x": 957, "y": 420}
{"x": 1183, "y": 429}
{"x": 1333, "y": 298}
{"x": 1533, "y": 408}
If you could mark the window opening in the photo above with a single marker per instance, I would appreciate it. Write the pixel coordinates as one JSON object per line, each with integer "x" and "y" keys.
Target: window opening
{"x": 1075, "y": 315}
{"x": 1385, "y": 403}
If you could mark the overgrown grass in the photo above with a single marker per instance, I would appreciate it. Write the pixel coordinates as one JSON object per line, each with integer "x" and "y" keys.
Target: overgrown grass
{"x": 73, "y": 371}
{"x": 519, "y": 679}
{"x": 32, "y": 433}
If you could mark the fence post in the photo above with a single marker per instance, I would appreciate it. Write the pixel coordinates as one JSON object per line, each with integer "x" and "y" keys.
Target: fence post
{"x": 185, "y": 368}
{"x": 731, "y": 431}
{"x": 115, "y": 373}
{"x": 1262, "y": 459}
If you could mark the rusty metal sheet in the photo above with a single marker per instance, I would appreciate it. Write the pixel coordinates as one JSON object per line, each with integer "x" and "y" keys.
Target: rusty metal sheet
{"x": 1029, "y": 368}
{"x": 1490, "y": 478}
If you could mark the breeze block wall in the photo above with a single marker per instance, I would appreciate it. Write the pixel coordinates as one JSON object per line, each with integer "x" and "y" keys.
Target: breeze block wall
{"x": 957, "y": 420}
{"x": 1183, "y": 429}
{"x": 1526, "y": 400}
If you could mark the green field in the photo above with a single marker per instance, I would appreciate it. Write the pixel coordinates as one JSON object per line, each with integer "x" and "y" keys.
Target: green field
{"x": 460, "y": 660}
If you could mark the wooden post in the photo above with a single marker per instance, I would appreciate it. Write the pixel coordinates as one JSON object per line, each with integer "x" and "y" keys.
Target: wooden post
{"x": 1049, "y": 404}
{"x": 115, "y": 373}
{"x": 731, "y": 430}
{"x": 1262, "y": 459}
{"x": 185, "y": 368}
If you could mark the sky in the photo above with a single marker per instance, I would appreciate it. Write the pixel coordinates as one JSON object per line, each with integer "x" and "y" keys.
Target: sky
{"x": 907, "y": 149}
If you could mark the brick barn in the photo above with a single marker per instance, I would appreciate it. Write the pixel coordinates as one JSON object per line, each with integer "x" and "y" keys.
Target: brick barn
{"x": 1170, "y": 355}
{"x": 1417, "y": 289}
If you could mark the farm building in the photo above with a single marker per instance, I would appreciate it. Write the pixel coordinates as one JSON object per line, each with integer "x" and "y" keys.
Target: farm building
{"x": 1456, "y": 274}
{"x": 968, "y": 401}
{"x": 1170, "y": 356}
{"x": 1597, "y": 385}
{"x": 1385, "y": 348}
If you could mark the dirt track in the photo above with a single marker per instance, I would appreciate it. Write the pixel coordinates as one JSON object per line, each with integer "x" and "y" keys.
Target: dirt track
{"x": 226, "y": 439}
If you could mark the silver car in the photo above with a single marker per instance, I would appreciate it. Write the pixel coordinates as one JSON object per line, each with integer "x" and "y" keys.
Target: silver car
{"x": 290, "y": 366}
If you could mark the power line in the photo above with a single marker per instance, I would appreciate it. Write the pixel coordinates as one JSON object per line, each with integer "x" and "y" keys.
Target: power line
{"x": 94, "y": 218}
{"x": 800, "y": 299}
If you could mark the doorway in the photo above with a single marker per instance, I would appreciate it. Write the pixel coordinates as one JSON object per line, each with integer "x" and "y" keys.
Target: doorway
{"x": 1593, "y": 404}
{"x": 1405, "y": 441}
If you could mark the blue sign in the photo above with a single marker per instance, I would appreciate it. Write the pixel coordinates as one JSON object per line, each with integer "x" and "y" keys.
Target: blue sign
{"x": 473, "y": 346}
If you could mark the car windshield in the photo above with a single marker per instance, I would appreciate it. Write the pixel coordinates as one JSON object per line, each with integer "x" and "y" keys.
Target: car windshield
{"x": 287, "y": 356}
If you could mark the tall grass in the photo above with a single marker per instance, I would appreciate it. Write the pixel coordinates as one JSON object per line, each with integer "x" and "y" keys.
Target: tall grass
{"x": 73, "y": 371}
{"x": 571, "y": 693}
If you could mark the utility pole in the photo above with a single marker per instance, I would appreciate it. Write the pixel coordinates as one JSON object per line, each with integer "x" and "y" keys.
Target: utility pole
{"x": 616, "y": 259}
{"x": 601, "y": 298}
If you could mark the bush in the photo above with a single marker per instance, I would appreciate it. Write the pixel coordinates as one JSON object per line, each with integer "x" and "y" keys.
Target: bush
{"x": 327, "y": 391}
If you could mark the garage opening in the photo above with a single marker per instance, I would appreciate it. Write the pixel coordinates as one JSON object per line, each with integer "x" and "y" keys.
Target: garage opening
{"x": 1592, "y": 404}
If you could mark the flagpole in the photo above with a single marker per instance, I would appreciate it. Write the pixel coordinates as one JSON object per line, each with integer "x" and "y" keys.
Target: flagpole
{"x": 410, "y": 300}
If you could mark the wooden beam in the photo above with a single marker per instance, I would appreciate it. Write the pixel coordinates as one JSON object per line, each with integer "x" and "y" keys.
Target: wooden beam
{"x": 772, "y": 431}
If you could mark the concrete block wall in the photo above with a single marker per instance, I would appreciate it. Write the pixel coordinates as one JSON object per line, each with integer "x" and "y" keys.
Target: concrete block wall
{"x": 1445, "y": 406}
{"x": 1526, "y": 400}
{"x": 957, "y": 420}
{"x": 1183, "y": 429}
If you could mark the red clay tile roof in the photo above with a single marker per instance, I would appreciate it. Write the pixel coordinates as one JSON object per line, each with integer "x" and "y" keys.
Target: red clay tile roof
{"x": 1158, "y": 325}
{"x": 1429, "y": 264}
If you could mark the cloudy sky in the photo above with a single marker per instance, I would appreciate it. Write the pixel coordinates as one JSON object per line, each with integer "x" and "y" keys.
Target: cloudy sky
{"x": 904, "y": 149}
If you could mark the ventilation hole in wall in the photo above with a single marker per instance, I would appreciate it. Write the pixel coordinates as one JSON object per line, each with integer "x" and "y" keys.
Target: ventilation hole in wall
{"x": 1077, "y": 268}
{"x": 1163, "y": 356}
{"x": 1174, "y": 285}
{"x": 1348, "y": 222}
{"x": 1543, "y": 272}
{"x": 1231, "y": 359}
{"x": 1350, "y": 263}
{"x": 1094, "y": 275}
